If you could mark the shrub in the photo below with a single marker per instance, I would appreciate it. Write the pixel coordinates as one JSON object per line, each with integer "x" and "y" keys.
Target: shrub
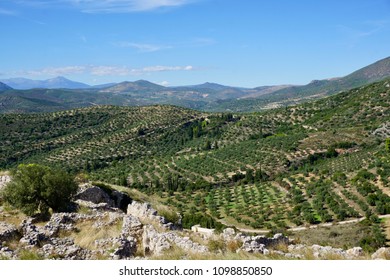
{"x": 36, "y": 189}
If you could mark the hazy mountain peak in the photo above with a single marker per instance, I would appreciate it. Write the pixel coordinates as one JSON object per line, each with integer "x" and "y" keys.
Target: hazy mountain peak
{"x": 56, "y": 82}
{"x": 4, "y": 87}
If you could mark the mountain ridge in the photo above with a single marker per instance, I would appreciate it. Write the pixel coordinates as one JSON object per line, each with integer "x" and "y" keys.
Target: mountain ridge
{"x": 53, "y": 83}
{"x": 207, "y": 96}
{"x": 4, "y": 86}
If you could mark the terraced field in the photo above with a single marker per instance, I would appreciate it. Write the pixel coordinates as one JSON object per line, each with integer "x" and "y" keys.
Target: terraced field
{"x": 307, "y": 164}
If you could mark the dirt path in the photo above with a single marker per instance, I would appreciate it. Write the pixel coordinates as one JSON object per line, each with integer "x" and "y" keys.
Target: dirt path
{"x": 263, "y": 231}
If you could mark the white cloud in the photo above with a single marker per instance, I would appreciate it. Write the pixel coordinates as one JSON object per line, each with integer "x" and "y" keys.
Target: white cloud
{"x": 53, "y": 71}
{"x": 102, "y": 70}
{"x": 159, "y": 68}
{"x": 125, "y": 6}
{"x": 108, "y": 6}
{"x": 141, "y": 47}
{"x": 163, "y": 83}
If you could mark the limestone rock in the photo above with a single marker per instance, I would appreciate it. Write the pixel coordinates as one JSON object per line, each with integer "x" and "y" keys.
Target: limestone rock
{"x": 65, "y": 249}
{"x": 5, "y": 179}
{"x": 145, "y": 210}
{"x": 354, "y": 253}
{"x": 95, "y": 195}
{"x": 6, "y": 252}
{"x": 32, "y": 236}
{"x": 153, "y": 242}
{"x": 228, "y": 233}
{"x": 126, "y": 248}
{"x": 131, "y": 227}
{"x": 7, "y": 232}
{"x": 381, "y": 254}
{"x": 258, "y": 244}
{"x": 185, "y": 243}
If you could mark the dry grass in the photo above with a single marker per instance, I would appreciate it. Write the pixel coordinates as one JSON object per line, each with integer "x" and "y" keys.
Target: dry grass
{"x": 30, "y": 255}
{"x": 11, "y": 216}
{"x": 337, "y": 236}
{"x": 87, "y": 233}
{"x": 4, "y": 173}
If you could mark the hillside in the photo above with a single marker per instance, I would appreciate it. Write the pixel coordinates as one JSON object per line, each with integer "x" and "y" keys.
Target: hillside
{"x": 314, "y": 90}
{"x": 307, "y": 164}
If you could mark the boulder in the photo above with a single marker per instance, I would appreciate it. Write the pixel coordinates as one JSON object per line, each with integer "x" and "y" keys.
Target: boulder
{"x": 258, "y": 244}
{"x": 153, "y": 242}
{"x": 185, "y": 243}
{"x": 7, "y": 232}
{"x": 5, "y": 179}
{"x": 126, "y": 248}
{"x": 32, "y": 236}
{"x": 141, "y": 210}
{"x": 95, "y": 195}
{"x": 6, "y": 253}
{"x": 381, "y": 254}
{"x": 354, "y": 253}
{"x": 64, "y": 249}
{"x": 132, "y": 227}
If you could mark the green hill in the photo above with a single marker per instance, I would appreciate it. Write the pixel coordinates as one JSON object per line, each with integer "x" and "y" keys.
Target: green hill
{"x": 311, "y": 163}
{"x": 314, "y": 90}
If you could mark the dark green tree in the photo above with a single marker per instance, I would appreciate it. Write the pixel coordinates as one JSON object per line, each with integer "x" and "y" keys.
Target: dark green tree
{"x": 35, "y": 189}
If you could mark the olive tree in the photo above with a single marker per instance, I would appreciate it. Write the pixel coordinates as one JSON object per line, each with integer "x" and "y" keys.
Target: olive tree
{"x": 35, "y": 189}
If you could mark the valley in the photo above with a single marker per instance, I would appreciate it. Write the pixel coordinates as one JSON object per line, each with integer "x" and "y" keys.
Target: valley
{"x": 323, "y": 162}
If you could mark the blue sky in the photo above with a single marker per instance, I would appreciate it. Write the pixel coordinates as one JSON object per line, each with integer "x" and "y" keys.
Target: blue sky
{"x": 181, "y": 42}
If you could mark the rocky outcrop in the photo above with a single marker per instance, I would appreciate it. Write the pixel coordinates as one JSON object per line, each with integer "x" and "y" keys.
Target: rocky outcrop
{"x": 126, "y": 248}
{"x": 64, "y": 248}
{"x": 381, "y": 254}
{"x": 95, "y": 195}
{"x": 96, "y": 198}
{"x": 7, "y": 232}
{"x": 121, "y": 200}
{"x": 261, "y": 244}
{"x": 325, "y": 252}
{"x": 153, "y": 242}
{"x": 32, "y": 235}
{"x": 7, "y": 253}
{"x": 5, "y": 179}
{"x": 145, "y": 211}
{"x": 122, "y": 248}
{"x": 132, "y": 227}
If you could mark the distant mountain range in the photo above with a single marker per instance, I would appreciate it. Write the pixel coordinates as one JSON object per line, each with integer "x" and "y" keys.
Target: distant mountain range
{"x": 58, "y": 82}
{"x": 25, "y": 95}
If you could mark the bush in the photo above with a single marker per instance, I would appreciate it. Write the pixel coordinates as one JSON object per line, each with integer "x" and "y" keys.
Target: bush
{"x": 35, "y": 189}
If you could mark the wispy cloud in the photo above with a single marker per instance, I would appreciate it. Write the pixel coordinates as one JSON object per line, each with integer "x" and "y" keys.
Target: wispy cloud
{"x": 146, "y": 47}
{"x": 141, "y": 47}
{"x": 102, "y": 70}
{"x": 108, "y": 6}
{"x": 7, "y": 12}
{"x": 366, "y": 29}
